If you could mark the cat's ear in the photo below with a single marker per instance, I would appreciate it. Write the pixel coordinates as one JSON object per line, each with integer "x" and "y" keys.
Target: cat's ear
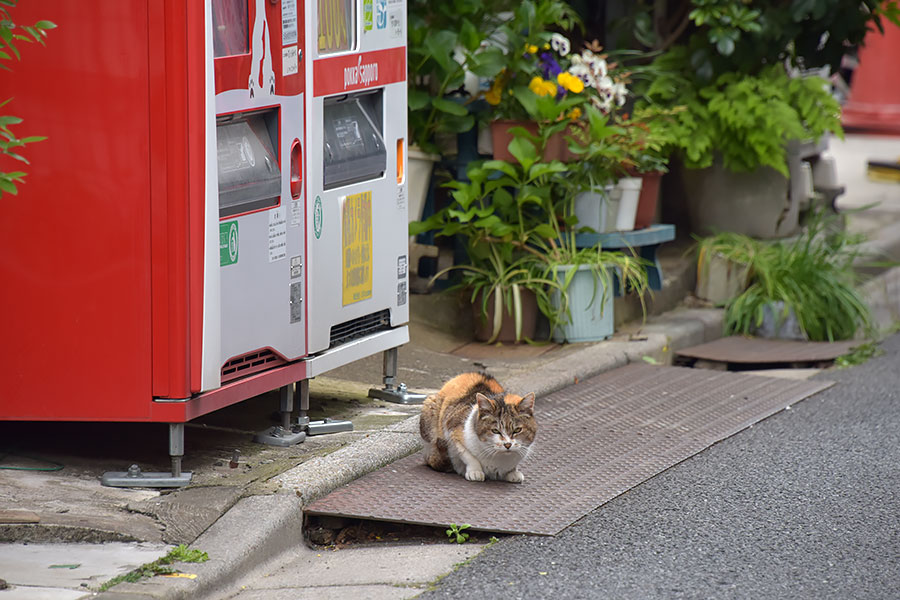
{"x": 485, "y": 404}
{"x": 527, "y": 404}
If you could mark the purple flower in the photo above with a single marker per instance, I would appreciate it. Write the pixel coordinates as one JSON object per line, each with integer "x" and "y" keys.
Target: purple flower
{"x": 549, "y": 67}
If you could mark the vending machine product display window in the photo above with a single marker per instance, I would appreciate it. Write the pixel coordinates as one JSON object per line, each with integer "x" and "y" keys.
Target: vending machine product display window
{"x": 231, "y": 34}
{"x": 336, "y": 25}
{"x": 354, "y": 148}
{"x": 248, "y": 165}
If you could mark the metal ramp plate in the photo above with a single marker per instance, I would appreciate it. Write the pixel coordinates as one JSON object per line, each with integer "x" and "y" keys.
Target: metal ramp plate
{"x": 595, "y": 441}
{"x": 740, "y": 350}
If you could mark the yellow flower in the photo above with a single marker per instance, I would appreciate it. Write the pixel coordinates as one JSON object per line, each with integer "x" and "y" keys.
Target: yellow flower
{"x": 541, "y": 87}
{"x": 531, "y": 49}
{"x": 570, "y": 82}
{"x": 574, "y": 114}
{"x": 495, "y": 94}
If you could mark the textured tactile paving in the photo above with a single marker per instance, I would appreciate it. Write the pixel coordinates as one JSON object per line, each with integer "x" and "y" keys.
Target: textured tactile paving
{"x": 746, "y": 350}
{"x": 595, "y": 440}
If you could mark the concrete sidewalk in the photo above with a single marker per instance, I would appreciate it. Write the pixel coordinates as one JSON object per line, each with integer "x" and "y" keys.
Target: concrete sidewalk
{"x": 249, "y": 516}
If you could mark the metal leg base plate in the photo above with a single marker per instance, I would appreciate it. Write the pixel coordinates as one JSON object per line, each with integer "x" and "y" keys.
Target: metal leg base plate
{"x": 134, "y": 477}
{"x": 328, "y": 426}
{"x": 279, "y": 436}
{"x": 397, "y": 395}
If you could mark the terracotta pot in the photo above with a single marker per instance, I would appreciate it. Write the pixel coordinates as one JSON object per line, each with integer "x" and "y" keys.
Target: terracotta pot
{"x": 484, "y": 326}
{"x": 648, "y": 200}
{"x": 557, "y": 147}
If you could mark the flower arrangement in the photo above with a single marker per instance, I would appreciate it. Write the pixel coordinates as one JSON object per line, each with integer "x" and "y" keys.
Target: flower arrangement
{"x": 554, "y": 71}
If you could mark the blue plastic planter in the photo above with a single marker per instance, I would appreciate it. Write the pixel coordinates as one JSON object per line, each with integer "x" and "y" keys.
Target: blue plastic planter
{"x": 591, "y": 315}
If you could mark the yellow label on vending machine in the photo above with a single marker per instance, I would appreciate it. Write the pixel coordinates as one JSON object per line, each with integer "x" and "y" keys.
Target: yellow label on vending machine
{"x": 356, "y": 236}
{"x": 336, "y": 25}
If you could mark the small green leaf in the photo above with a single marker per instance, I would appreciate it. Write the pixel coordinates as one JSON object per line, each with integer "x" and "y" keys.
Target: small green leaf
{"x": 450, "y": 107}
{"x": 417, "y": 99}
{"x": 523, "y": 151}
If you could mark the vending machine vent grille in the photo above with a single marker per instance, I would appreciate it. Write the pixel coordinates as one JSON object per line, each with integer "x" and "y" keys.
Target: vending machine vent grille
{"x": 359, "y": 327}
{"x": 252, "y": 362}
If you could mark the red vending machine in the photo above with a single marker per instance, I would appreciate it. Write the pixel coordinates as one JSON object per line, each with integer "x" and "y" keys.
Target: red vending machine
{"x": 194, "y": 208}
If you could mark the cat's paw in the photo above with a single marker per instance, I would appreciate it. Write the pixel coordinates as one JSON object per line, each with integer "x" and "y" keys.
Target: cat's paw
{"x": 474, "y": 474}
{"x": 515, "y": 477}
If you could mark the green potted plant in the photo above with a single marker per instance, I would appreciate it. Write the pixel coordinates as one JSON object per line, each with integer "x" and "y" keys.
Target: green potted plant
{"x": 502, "y": 275}
{"x": 527, "y": 59}
{"x": 739, "y": 75}
{"x": 441, "y": 39}
{"x": 805, "y": 288}
{"x": 582, "y": 305}
{"x": 732, "y": 137}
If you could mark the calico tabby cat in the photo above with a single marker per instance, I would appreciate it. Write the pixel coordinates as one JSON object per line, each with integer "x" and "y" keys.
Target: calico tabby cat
{"x": 474, "y": 427}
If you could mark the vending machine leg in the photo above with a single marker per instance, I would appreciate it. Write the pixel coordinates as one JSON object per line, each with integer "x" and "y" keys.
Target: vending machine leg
{"x": 285, "y": 434}
{"x": 288, "y": 433}
{"x": 316, "y": 427}
{"x": 134, "y": 477}
{"x": 390, "y": 392}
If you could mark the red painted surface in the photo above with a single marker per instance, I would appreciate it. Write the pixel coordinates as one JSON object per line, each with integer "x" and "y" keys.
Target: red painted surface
{"x": 231, "y": 393}
{"x": 75, "y": 309}
{"x": 874, "y": 102}
{"x": 351, "y": 72}
{"x": 95, "y": 254}
{"x": 195, "y": 162}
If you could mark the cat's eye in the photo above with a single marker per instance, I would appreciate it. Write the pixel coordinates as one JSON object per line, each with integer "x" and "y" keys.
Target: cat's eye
{"x": 495, "y": 431}
{"x": 517, "y": 430}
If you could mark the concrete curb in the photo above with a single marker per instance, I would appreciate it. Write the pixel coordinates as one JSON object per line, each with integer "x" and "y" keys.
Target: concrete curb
{"x": 256, "y": 530}
{"x": 319, "y": 476}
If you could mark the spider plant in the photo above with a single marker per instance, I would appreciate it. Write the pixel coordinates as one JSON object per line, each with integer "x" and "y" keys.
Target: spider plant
{"x": 812, "y": 275}
{"x": 502, "y": 283}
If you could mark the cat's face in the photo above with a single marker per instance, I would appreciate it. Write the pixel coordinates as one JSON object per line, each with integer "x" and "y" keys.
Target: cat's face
{"x": 506, "y": 424}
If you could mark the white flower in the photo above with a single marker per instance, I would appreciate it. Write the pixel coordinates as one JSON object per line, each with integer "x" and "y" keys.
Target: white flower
{"x": 599, "y": 68}
{"x": 604, "y": 84}
{"x": 582, "y": 72}
{"x": 560, "y": 44}
{"x": 604, "y": 103}
{"x": 620, "y": 92}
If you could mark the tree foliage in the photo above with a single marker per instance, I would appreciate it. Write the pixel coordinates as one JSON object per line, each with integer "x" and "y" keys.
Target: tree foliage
{"x": 12, "y": 34}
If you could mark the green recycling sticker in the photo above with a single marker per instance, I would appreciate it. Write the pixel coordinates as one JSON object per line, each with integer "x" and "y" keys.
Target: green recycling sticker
{"x": 368, "y": 14}
{"x": 228, "y": 243}
{"x": 317, "y": 217}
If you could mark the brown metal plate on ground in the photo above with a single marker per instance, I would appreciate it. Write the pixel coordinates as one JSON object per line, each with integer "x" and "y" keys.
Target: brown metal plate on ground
{"x": 596, "y": 440}
{"x": 747, "y": 350}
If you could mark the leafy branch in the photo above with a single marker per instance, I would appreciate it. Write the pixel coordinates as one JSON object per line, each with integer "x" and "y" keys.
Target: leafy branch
{"x": 10, "y": 35}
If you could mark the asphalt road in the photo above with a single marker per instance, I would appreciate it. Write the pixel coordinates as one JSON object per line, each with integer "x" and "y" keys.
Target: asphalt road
{"x": 805, "y": 504}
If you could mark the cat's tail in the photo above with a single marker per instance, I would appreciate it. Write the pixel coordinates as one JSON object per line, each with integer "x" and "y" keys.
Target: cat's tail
{"x": 428, "y": 420}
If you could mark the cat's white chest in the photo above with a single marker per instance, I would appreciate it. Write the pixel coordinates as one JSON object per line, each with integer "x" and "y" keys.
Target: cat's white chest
{"x": 496, "y": 461}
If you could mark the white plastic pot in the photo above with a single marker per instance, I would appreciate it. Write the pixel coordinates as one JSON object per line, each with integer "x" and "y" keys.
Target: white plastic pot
{"x": 420, "y": 165}
{"x": 625, "y": 196}
{"x": 592, "y": 209}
